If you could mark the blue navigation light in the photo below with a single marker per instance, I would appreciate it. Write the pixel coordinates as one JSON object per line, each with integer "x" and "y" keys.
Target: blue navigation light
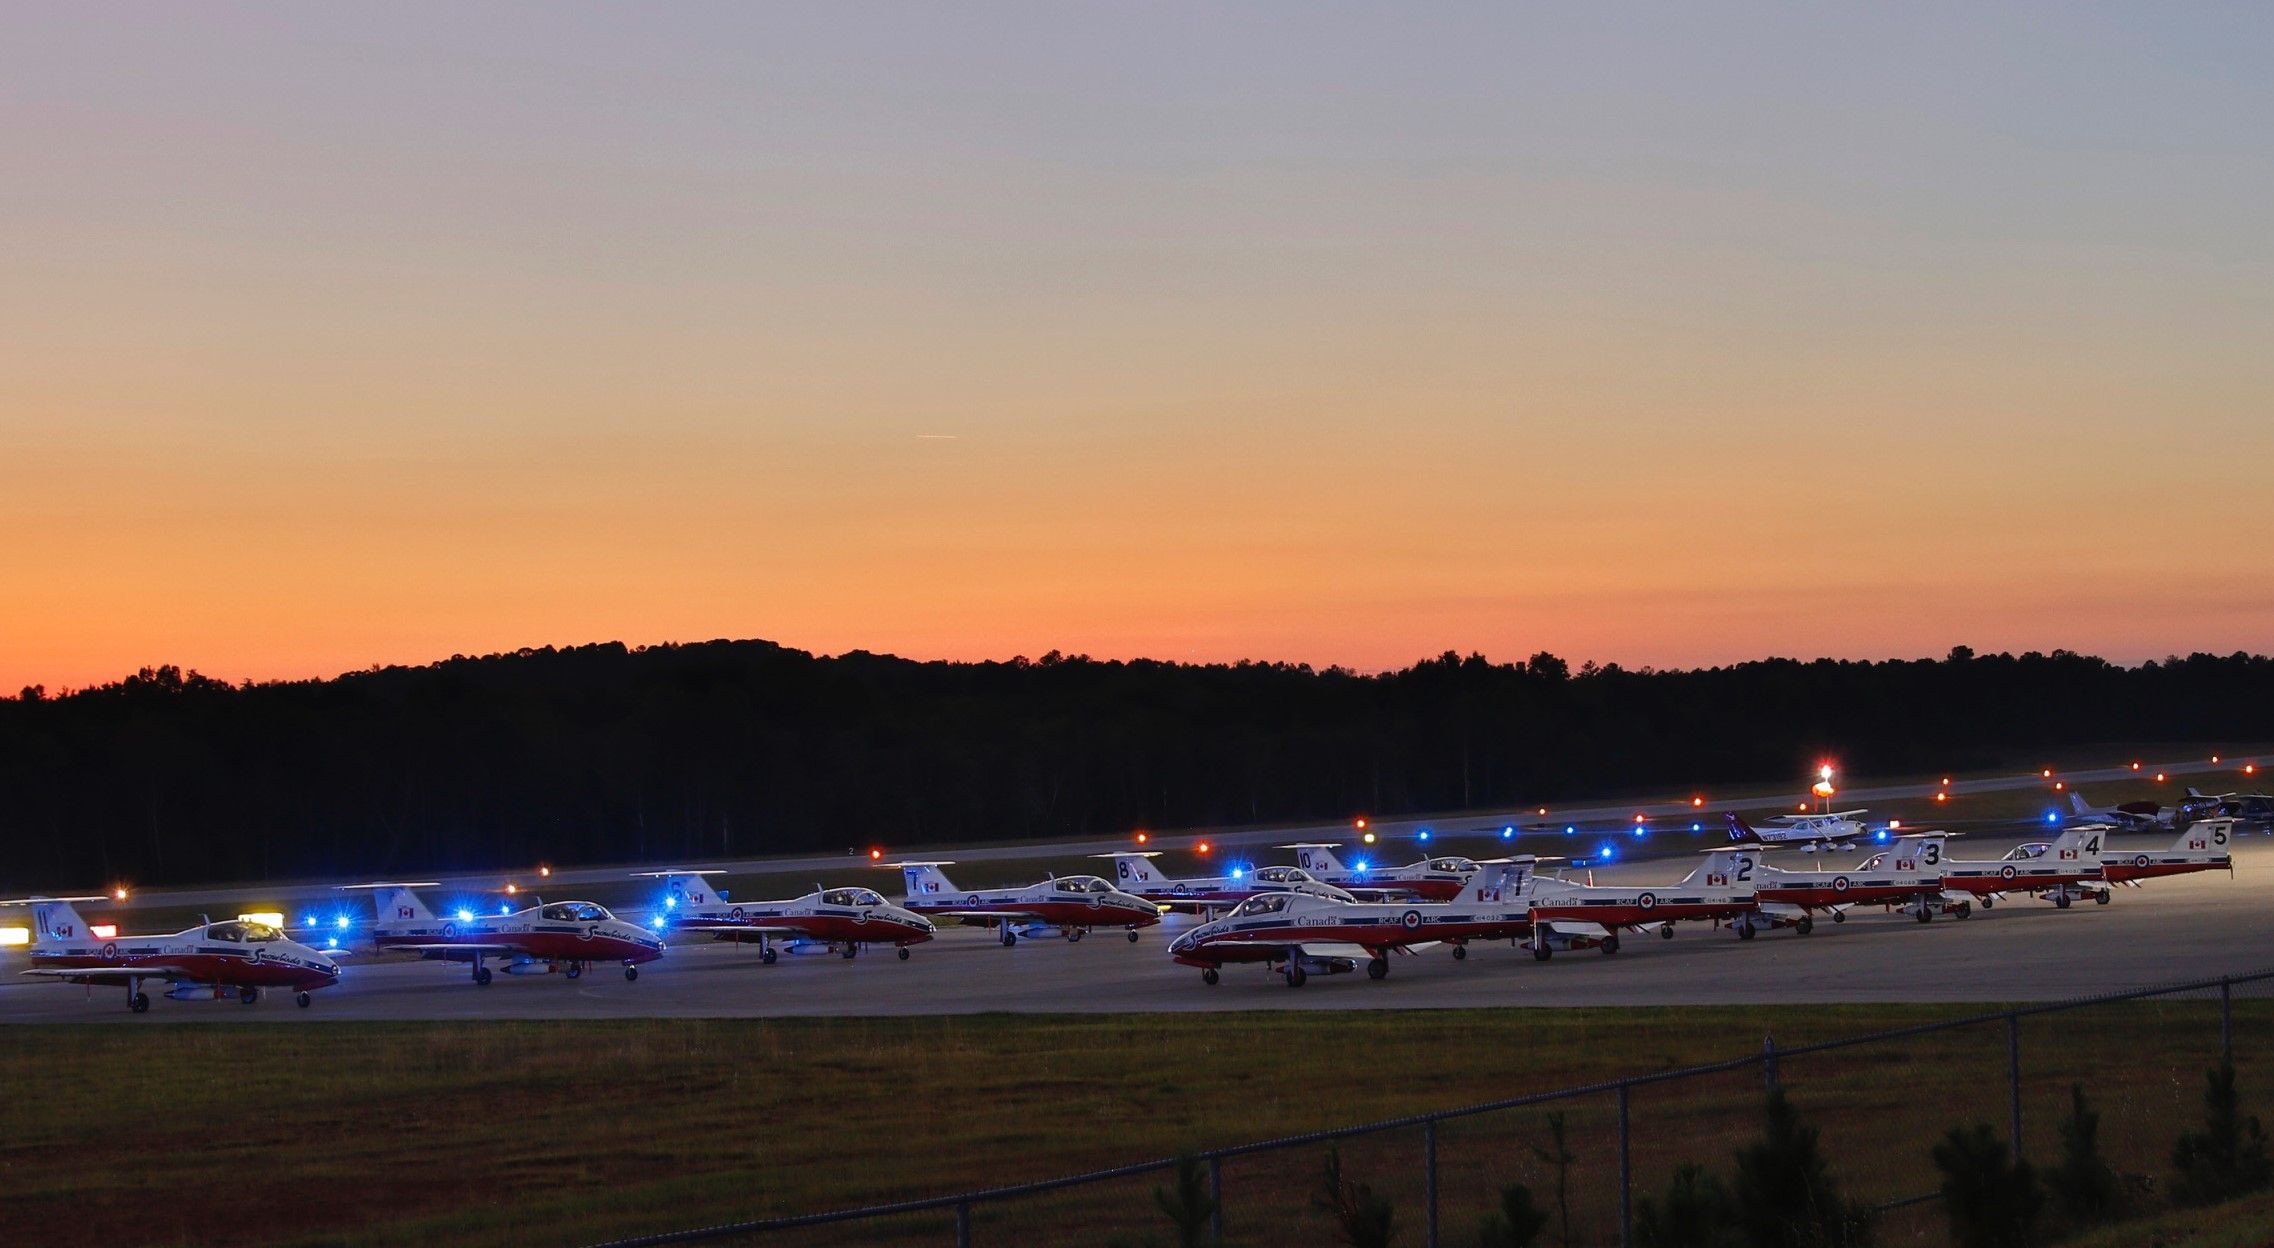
{"x": 465, "y": 916}
{"x": 1424, "y": 834}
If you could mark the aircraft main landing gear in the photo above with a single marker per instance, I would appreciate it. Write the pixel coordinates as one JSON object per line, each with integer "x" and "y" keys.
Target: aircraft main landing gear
{"x": 1610, "y": 944}
{"x": 2100, "y": 898}
{"x": 1379, "y": 968}
{"x": 1074, "y": 934}
{"x": 1009, "y": 937}
{"x": 575, "y": 970}
{"x": 2060, "y": 901}
{"x": 1746, "y": 931}
{"x": 1295, "y": 976}
{"x": 482, "y": 976}
{"x": 767, "y": 957}
{"x": 1926, "y": 914}
{"x": 248, "y": 995}
{"x": 851, "y": 951}
{"x": 135, "y": 1001}
{"x": 1540, "y": 950}
{"x": 1806, "y": 925}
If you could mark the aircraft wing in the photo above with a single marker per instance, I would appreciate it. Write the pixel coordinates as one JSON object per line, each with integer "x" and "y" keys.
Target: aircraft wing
{"x": 120, "y": 973}
{"x": 1568, "y": 927}
{"x": 1332, "y": 949}
{"x": 1024, "y": 916}
{"x": 459, "y": 947}
{"x": 755, "y": 929}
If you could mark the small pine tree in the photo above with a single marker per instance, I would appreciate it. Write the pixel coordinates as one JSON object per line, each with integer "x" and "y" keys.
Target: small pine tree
{"x": 2085, "y": 1188}
{"x": 1561, "y": 1158}
{"x": 1784, "y": 1195}
{"x": 2228, "y": 1156}
{"x": 1992, "y": 1200}
{"x": 1694, "y": 1213}
{"x": 1189, "y": 1207}
{"x": 1517, "y": 1225}
{"x": 1367, "y": 1219}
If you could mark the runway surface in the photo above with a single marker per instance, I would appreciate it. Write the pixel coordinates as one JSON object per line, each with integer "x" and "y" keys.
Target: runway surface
{"x": 2187, "y": 927}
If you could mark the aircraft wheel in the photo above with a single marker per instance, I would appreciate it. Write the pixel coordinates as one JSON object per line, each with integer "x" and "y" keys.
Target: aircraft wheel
{"x": 1745, "y": 931}
{"x": 1839, "y": 916}
{"x": 903, "y": 952}
{"x": 1295, "y": 976}
{"x": 139, "y": 1003}
{"x": 249, "y": 995}
{"x": 1379, "y": 968}
{"x": 2100, "y": 898}
{"x": 631, "y": 973}
{"x": 303, "y": 1000}
{"x": 1926, "y": 914}
{"x": 1209, "y": 976}
{"x": 1989, "y": 903}
{"x": 1965, "y": 908}
{"x": 575, "y": 970}
{"x": 2060, "y": 901}
{"x": 1540, "y": 950}
{"x": 1009, "y": 938}
{"x": 482, "y": 976}
{"x": 1132, "y": 935}
{"x": 1666, "y": 932}
{"x": 851, "y": 952}
{"x": 768, "y": 958}
{"x": 1806, "y": 925}
{"x": 1460, "y": 954}
{"x": 1610, "y": 944}
{"x": 1075, "y": 936}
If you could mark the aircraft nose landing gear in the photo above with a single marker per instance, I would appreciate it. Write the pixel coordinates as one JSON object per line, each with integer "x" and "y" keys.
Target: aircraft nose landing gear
{"x": 302, "y": 999}
{"x": 903, "y": 953}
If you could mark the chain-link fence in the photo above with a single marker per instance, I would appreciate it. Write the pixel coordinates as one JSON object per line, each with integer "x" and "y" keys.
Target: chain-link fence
{"x": 1881, "y": 1101}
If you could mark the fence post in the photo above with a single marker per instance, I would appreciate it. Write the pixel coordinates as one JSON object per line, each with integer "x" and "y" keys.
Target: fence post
{"x": 1769, "y": 1061}
{"x": 1429, "y": 1178}
{"x": 963, "y": 1224}
{"x": 1626, "y": 1175}
{"x": 2227, "y": 1017}
{"x": 2013, "y": 1078}
{"x": 1216, "y": 1197}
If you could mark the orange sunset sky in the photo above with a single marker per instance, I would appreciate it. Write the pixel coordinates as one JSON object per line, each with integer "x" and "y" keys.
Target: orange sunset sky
{"x": 1336, "y": 334}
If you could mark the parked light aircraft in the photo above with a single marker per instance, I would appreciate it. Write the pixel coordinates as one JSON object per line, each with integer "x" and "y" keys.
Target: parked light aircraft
{"x": 1568, "y": 915}
{"x": 827, "y": 920}
{"x": 1298, "y": 935}
{"x": 1837, "y": 829}
{"x": 1135, "y": 873}
{"x": 2254, "y": 807}
{"x": 2129, "y": 816}
{"x": 1066, "y": 905}
{"x": 2203, "y": 846}
{"x": 565, "y": 936}
{"x": 212, "y": 962}
{"x": 2062, "y": 871}
{"x": 1431, "y": 879}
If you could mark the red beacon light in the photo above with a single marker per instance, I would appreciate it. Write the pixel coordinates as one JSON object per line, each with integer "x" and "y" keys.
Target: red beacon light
{"x": 547, "y": 872}
{"x": 119, "y": 893}
{"x": 876, "y": 855}
{"x": 1696, "y": 802}
{"x": 1143, "y": 837}
{"x": 1360, "y": 825}
{"x": 1201, "y": 848}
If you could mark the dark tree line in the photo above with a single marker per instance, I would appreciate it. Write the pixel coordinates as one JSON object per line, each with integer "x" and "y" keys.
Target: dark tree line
{"x": 603, "y": 753}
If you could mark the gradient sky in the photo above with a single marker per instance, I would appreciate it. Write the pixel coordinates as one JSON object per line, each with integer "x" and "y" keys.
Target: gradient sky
{"x": 336, "y": 335}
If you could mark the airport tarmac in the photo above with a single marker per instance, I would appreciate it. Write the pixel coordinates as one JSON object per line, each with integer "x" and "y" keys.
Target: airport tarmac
{"x": 2187, "y": 927}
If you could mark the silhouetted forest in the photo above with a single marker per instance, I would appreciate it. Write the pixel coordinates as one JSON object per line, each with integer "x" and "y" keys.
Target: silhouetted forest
{"x": 603, "y": 753}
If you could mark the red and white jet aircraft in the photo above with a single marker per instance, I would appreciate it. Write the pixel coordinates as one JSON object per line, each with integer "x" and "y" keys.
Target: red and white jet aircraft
{"x": 1134, "y": 873}
{"x": 1431, "y": 879}
{"x": 2204, "y": 846}
{"x": 1793, "y": 898}
{"x": 565, "y": 936}
{"x": 211, "y": 962}
{"x": 1066, "y": 905}
{"x": 1298, "y": 935}
{"x": 2062, "y": 871}
{"x": 826, "y": 920}
{"x": 1569, "y": 915}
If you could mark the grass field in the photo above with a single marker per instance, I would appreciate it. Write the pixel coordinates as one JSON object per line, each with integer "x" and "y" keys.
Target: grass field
{"x": 514, "y": 1133}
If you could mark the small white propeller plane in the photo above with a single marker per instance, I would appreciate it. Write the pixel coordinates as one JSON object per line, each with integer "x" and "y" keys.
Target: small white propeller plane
{"x": 2128, "y": 816}
{"x": 1431, "y": 879}
{"x": 826, "y": 920}
{"x": 236, "y": 959}
{"x": 564, "y": 936}
{"x": 1837, "y": 829}
{"x": 1066, "y": 905}
{"x": 1134, "y": 872}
